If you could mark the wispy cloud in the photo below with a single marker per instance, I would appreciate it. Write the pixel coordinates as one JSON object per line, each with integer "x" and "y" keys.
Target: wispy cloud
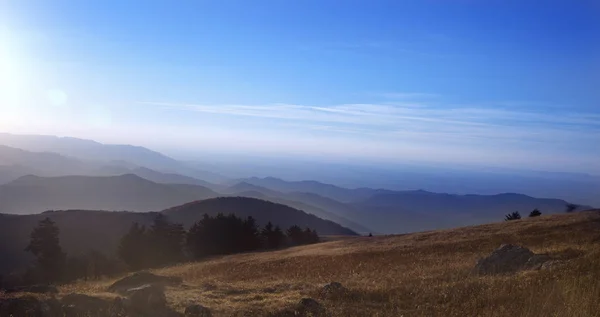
{"x": 433, "y": 123}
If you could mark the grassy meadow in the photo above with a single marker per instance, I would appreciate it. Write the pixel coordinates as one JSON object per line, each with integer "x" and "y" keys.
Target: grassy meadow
{"x": 420, "y": 274}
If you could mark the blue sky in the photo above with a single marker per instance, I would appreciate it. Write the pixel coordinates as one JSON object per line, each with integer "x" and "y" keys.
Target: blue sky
{"x": 499, "y": 83}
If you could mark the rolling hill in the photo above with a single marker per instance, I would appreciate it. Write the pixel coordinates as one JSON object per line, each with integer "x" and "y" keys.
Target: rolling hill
{"x": 33, "y": 194}
{"x": 262, "y": 210}
{"x": 302, "y": 202}
{"x": 326, "y": 190}
{"x": 85, "y": 230}
{"x": 420, "y": 210}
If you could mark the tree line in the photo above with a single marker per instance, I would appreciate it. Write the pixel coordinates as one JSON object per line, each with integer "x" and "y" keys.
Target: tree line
{"x": 165, "y": 243}
{"x": 569, "y": 208}
{"x": 162, "y": 243}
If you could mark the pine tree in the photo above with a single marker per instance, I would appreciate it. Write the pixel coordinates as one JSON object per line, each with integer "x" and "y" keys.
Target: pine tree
{"x": 315, "y": 237}
{"x": 295, "y": 235}
{"x": 535, "y": 213}
{"x": 267, "y": 234}
{"x": 167, "y": 241}
{"x": 278, "y": 238}
{"x": 571, "y": 207}
{"x": 45, "y": 245}
{"x": 272, "y": 236}
{"x": 513, "y": 216}
{"x": 250, "y": 235}
{"x": 133, "y": 247}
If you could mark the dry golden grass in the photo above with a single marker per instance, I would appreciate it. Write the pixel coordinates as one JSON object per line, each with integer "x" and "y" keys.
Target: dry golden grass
{"x": 421, "y": 274}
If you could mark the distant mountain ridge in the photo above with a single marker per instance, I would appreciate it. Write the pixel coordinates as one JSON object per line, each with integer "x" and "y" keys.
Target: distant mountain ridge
{"x": 327, "y": 190}
{"x": 34, "y": 194}
{"x": 248, "y": 190}
{"x": 388, "y": 211}
{"x": 94, "y": 151}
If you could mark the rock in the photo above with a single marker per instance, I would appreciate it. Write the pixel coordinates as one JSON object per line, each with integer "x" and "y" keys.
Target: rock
{"x": 54, "y": 307}
{"x": 209, "y": 287}
{"x": 197, "y": 311}
{"x": 142, "y": 278}
{"x": 550, "y": 265}
{"x": 38, "y": 289}
{"x": 82, "y": 305}
{"x": 117, "y": 308}
{"x": 310, "y": 307}
{"x": 147, "y": 298}
{"x": 333, "y": 289}
{"x": 536, "y": 261}
{"x": 507, "y": 258}
{"x": 29, "y": 306}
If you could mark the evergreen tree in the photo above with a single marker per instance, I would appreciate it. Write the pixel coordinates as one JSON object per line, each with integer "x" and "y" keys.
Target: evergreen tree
{"x": 535, "y": 213}
{"x": 272, "y": 236}
{"x": 295, "y": 235}
{"x": 571, "y": 207}
{"x": 513, "y": 216}
{"x": 133, "y": 247}
{"x": 278, "y": 238}
{"x": 314, "y": 237}
{"x": 250, "y": 236}
{"x": 45, "y": 245}
{"x": 166, "y": 240}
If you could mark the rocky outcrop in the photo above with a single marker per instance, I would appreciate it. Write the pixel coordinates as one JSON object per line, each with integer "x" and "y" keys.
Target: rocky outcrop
{"x": 147, "y": 297}
{"x": 310, "y": 307}
{"x": 140, "y": 279}
{"x": 83, "y": 305}
{"x": 197, "y": 311}
{"x": 537, "y": 261}
{"x": 333, "y": 289}
{"x": 509, "y": 258}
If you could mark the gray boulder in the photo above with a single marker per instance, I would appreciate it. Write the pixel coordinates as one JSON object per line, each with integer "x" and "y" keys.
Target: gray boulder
{"x": 117, "y": 308}
{"x": 147, "y": 297}
{"x": 142, "y": 278}
{"x": 82, "y": 305}
{"x": 509, "y": 258}
{"x": 536, "y": 261}
{"x": 197, "y": 311}
{"x": 310, "y": 307}
{"x": 552, "y": 264}
{"x": 333, "y": 289}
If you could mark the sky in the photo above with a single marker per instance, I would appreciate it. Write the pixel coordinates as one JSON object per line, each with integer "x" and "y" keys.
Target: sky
{"x": 494, "y": 83}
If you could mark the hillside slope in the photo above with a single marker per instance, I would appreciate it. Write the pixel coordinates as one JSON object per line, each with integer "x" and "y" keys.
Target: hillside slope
{"x": 421, "y": 274}
{"x": 33, "y": 194}
{"x": 262, "y": 210}
{"x": 321, "y": 207}
{"x": 85, "y": 230}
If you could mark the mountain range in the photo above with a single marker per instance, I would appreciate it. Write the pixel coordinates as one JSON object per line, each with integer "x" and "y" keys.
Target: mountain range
{"x": 95, "y": 192}
{"x": 84, "y": 174}
{"x": 109, "y": 154}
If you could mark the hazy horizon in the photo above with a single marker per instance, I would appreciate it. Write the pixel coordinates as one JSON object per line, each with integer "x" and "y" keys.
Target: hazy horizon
{"x": 501, "y": 84}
